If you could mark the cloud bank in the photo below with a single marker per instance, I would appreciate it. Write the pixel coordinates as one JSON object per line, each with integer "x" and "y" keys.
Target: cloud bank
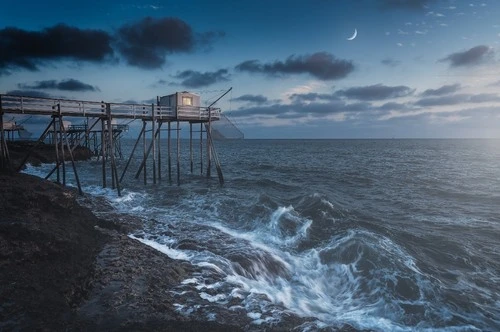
{"x": 144, "y": 44}
{"x": 196, "y": 79}
{"x": 65, "y": 85}
{"x": 29, "y": 49}
{"x": 376, "y": 92}
{"x": 474, "y": 56}
{"x": 321, "y": 65}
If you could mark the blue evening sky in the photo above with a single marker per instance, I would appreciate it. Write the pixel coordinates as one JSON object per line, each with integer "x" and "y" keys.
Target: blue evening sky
{"x": 417, "y": 68}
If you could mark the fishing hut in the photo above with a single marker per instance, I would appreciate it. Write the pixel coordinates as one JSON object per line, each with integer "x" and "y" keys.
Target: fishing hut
{"x": 11, "y": 129}
{"x": 101, "y": 132}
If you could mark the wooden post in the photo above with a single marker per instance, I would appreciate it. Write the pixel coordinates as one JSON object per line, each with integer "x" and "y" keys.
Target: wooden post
{"x": 201, "y": 148}
{"x": 178, "y": 153}
{"x": 148, "y": 151}
{"x": 209, "y": 149}
{"x": 111, "y": 151}
{"x": 159, "y": 150}
{"x": 103, "y": 151}
{"x": 144, "y": 159}
{"x": 114, "y": 171}
{"x": 153, "y": 138}
{"x": 73, "y": 162}
{"x": 61, "y": 144}
{"x": 57, "y": 151}
{"x": 169, "y": 151}
{"x": 74, "y": 147}
{"x": 133, "y": 150}
{"x": 191, "y": 145}
{"x": 5, "y": 162}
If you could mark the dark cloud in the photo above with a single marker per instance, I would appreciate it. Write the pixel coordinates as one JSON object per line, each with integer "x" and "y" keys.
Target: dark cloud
{"x": 146, "y": 43}
{"x": 392, "y": 106}
{"x": 443, "y": 101}
{"x": 458, "y": 99}
{"x": 405, "y": 4}
{"x": 390, "y": 62}
{"x": 376, "y": 92}
{"x": 321, "y": 65}
{"x": 196, "y": 79}
{"x": 484, "y": 98}
{"x": 473, "y": 56}
{"x": 302, "y": 110}
{"x": 444, "y": 90}
{"x": 257, "y": 99}
{"x": 162, "y": 83}
{"x": 312, "y": 96}
{"x": 65, "y": 85}
{"x": 483, "y": 111}
{"x": 30, "y": 49}
{"x": 29, "y": 93}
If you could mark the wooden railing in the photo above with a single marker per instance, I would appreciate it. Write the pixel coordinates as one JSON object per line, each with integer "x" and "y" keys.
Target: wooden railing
{"x": 49, "y": 106}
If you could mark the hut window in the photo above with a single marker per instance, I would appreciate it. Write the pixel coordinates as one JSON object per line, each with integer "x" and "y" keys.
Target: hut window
{"x": 187, "y": 101}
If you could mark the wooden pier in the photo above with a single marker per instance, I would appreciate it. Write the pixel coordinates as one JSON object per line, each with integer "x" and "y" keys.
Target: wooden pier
{"x": 100, "y": 133}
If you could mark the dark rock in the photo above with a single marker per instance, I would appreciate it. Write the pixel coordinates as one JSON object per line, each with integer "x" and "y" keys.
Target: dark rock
{"x": 40, "y": 153}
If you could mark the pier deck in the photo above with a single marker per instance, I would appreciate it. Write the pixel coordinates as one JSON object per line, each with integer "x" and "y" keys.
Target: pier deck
{"x": 106, "y": 135}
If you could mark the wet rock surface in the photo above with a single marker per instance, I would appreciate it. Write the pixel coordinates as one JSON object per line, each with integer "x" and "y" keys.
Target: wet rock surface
{"x": 43, "y": 153}
{"x": 63, "y": 268}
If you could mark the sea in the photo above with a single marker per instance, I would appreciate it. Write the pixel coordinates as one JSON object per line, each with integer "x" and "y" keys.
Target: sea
{"x": 382, "y": 235}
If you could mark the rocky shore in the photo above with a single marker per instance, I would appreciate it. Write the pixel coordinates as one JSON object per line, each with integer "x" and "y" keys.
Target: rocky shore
{"x": 62, "y": 268}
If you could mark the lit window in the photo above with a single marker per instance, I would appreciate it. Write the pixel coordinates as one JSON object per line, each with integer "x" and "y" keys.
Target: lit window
{"x": 187, "y": 101}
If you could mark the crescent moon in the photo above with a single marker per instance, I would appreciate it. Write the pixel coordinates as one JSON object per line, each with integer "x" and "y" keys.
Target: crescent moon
{"x": 353, "y": 35}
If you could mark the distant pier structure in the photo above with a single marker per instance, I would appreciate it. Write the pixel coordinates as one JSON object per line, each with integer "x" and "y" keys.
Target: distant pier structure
{"x": 101, "y": 133}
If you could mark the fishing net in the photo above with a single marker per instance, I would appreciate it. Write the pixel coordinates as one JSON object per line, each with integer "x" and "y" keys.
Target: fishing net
{"x": 225, "y": 129}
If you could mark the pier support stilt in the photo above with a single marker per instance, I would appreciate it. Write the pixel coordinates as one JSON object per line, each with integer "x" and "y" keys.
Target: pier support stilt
{"x": 54, "y": 140}
{"x": 147, "y": 152}
{"x": 144, "y": 160}
{"x": 169, "y": 151}
{"x": 201, "y": 148}
{"x": 178, "y": 154}
{"x": 103, "y": 151}
{"x": 114, "y": 171}
{"x": 60, "y": 144}
{"x": 133, "y": 150}
{"x": 72, "y": 161}
{"x": 191, "y": 146}
{"x": 5, "y": 158}
{"x": 153, "y": 140}
{"x": 78, "y": 143}
{"x": 209, "y": 148}
{"x": 159, "y": 150}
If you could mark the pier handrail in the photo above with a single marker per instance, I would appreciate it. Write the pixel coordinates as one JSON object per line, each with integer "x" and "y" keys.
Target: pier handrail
{"x": 54, "y": 106}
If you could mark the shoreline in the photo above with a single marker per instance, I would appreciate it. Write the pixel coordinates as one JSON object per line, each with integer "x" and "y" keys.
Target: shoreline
{"x": 64, "y": 268}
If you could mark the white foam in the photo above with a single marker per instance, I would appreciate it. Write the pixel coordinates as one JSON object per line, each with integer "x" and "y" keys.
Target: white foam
{"x": 212, "y": 298}
{"x": 172, "y": 253}
{"x": 254, "y": 315}
{"x": 190, "y": 281}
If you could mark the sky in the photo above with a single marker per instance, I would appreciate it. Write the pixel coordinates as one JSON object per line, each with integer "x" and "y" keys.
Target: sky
{"x": 416, "y": 68}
